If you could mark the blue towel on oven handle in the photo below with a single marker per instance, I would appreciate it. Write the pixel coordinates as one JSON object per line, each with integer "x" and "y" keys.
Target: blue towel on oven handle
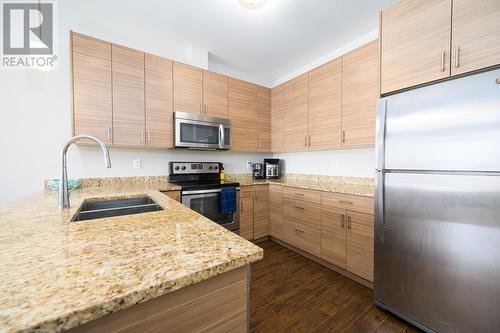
{"x": 228, "y": 200}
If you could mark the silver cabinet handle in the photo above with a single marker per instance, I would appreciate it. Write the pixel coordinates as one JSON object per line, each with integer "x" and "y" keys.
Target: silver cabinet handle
{"x": 309, "y": 141}
{"x": 305, "y": 140}
{"x": 443, "y": 56}
{"x": 346, "y": 202}
{"x": 342, "y": 220}
{"x": 299, "y": 207}
{"x": 206, "y": 108}
{"x": 201, "y": 108}
{"x": 241, "y": 204}
{"x": 301, "y": 231}
{"x": 343, "y": 136}
{"x": 457, "y": 56}
{"x": 348, "y": 222}
{"x": 302, "y": 194}
{"x": 109, "y": 133}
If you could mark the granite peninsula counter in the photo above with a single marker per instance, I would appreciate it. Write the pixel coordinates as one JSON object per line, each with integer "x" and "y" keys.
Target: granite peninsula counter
{"x": 56, "y": 275}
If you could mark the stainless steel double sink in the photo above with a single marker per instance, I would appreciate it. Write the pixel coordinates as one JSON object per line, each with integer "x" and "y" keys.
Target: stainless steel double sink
{"x": 91, "y": 210}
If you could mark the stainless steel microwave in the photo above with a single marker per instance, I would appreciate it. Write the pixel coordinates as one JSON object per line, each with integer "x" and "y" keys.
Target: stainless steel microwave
{"x": 201, "y": 132}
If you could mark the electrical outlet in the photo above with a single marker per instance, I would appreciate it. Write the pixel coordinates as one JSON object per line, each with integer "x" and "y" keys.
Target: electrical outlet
{"x": 335, "y": 164}
{"x": 249, "y": 164}
{"x": 137, "y": 164}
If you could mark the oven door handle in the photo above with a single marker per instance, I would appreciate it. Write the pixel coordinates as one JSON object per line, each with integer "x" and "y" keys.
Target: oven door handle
{"x": 217, "y": 190}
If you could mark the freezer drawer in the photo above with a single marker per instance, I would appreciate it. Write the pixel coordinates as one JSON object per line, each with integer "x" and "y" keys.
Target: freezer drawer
{"x": 439, "y": 260}
{"x": 453, "y": 125}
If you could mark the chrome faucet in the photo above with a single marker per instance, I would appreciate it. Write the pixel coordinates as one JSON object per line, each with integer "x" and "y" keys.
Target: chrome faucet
{"x": 63, "y": 182}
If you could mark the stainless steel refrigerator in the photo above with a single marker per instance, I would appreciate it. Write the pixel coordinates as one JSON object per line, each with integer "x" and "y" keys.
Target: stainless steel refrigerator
{"x": 437, "y": 231}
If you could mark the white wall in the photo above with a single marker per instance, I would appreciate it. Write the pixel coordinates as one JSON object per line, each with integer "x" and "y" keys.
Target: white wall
{"x": 36, "y": 111}
{"x": 359, "y": 162}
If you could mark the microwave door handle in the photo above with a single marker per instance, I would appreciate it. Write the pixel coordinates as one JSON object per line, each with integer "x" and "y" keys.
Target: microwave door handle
{"x": 221, "y": 136}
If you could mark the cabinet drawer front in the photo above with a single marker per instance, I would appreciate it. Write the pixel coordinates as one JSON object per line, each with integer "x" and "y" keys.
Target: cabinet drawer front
{"x": 351, "y": 202}
{"x": 303, "y": 195}
{"x": 303, "y": 236}
{"x": 246, "y": 191}
{"x": 302, "y": 212}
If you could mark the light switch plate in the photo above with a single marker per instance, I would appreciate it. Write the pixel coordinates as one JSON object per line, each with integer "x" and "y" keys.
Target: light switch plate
{"x": 137, "y": 164}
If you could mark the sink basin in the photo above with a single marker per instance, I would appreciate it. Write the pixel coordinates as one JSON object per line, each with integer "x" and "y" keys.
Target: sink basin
{"x": 91, "y": 210}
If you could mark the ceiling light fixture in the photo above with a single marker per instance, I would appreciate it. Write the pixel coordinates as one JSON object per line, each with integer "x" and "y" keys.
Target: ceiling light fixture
{"x": 253, "y": 4}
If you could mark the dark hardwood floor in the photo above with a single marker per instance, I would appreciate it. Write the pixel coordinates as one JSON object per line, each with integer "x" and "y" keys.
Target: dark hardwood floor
{"x": 290, "y": 293}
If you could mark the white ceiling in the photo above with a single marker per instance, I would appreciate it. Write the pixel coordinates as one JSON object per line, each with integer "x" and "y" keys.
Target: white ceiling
{"x": 268, "y": 43}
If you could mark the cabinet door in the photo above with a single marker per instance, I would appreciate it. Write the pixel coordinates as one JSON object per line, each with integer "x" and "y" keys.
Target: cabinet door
{"x": 128, "y": 97}
{"x": 333, "y": 235}
{"x": 277, "y": 115}
{"x": 246, "y": 213}
{"x": 261, "y": 211}
{"x": 244, "y": 115}
{"x": 360, "y": 244}
{"x": 296, "y": 113}
{"x": 188, "y": 88}
{"x": 214, "y": 94}
{"x": 415, "y": 43}
{"x": 325, "y": 104}
{"x": 159, "y": 119}
{"x": 360, "y": 91}
{"x": 264, "y": 133}
{"x": 92, "y": 88}
{"x": 476, "y": 35}
{"x": 276, "y": 211}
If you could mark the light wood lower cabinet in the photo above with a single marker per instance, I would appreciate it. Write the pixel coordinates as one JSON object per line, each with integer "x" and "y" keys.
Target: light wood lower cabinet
{"x": 219, "y": 304}
{"x": 261, "y": 211}
{"x": 302, "y": 224}
{"x": 276, "y": 211}
{"x": 360, "y": 238}
{"x": 246, "y": 212}
{"x": 176, "y": 195}
{"x": 347, "y": 237}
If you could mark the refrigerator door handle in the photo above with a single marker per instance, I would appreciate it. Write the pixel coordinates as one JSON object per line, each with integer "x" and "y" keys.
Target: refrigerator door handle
{"x": 380, "y": 133}
{"x": 379, "y": 206}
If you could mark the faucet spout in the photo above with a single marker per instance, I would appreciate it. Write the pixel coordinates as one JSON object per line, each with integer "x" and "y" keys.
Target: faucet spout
{"x": 63, "y": 181}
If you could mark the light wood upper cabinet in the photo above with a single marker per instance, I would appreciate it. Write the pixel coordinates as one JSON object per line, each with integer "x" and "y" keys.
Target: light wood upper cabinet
{"x": 277, "y": 119}
{"x": 476, "y": 35}
{"x": 246, "y": 212}
{"x": 215, "y": 90}
{"x": 244, "y": 115}
{"x": 325, "y": 104}
{"x": 159, "y": 119}
{"x": 264, "y": 130}
{"x": 296, "y": 101}
{"x": 360, "y": 91}
{"x": 415, "y": 43}
{"x": 261, "y": 211}
{"x": 128, "y": 97}
{"x": 188, "y": 88}
{"x": 360, "y": 239}
{"x": 92, "y": 87}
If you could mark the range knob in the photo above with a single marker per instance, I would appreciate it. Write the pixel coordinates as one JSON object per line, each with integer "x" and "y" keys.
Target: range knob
{"x": 183, "y": 167}
{"x": 211, "y": 167}
{"x": 177, "y": 167}
{"x": 216, "y": 167}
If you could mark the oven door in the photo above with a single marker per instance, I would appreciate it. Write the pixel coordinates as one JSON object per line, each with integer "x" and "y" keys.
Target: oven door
{"x": 201, "y": 132}
{"x": 208, "y": 204}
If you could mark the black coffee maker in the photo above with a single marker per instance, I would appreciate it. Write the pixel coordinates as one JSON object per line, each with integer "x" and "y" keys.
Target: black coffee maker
{"x": 272, "y": 167}
{"x": 258, "y": 171}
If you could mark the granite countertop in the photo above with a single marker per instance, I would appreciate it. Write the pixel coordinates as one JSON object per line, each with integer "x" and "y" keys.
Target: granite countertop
{"x": 344, "y": 185}
{"x": 56, "y": 274}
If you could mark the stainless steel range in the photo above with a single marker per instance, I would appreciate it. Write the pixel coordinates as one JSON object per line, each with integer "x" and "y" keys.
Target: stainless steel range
{"x": 201, "y": 191}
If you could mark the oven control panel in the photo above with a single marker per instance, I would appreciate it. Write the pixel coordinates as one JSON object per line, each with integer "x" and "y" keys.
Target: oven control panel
{"x": 179, "y": 168}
